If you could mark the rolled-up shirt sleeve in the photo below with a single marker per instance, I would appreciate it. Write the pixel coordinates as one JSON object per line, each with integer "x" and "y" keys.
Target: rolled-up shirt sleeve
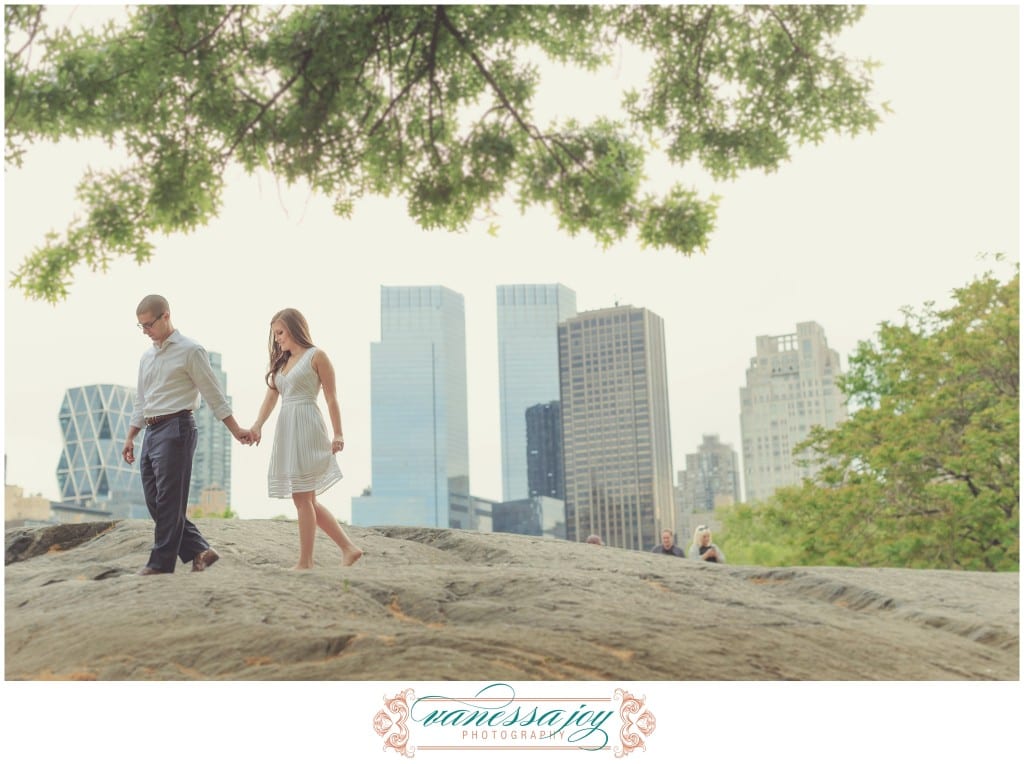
{"x": 199, "y": 370}
{"x": 138, "y": 418}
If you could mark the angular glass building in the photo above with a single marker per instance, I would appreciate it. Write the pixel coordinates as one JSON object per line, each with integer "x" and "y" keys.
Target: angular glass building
{"x": 90, "y": 472}
{"x": 419, "y": 419}
{"x": 528, "y": 318}
{"x": 615, "y": 422}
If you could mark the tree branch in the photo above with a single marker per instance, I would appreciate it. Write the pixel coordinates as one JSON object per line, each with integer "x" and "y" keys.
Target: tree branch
{"x": 464, "y": 43}
{"x": 307, "y": 55}
{"x": 434, "y": 87}
{"x": 206, "y": 38}
{"x": 413, "y": 80}
{"x": 36, "y": 23}
{"x": 530, "y": 130}
{"x": 782, "y": 25}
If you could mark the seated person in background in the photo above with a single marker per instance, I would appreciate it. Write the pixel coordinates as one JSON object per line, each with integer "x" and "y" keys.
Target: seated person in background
{"x": 666, "y": 546}
{"x": 593, "y": 538}
{"x": 703, "y": 549}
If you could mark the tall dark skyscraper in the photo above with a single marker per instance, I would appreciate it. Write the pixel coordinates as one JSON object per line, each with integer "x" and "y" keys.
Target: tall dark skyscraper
{"x": 544, "y": 450}
{"x": 615, "y": 421}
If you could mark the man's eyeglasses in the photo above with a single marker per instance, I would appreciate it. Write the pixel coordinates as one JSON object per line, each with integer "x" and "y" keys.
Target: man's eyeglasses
{"x": 149, "y": 324}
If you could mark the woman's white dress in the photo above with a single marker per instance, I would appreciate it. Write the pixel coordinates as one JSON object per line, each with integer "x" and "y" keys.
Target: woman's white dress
{"x": 301, "y": 459}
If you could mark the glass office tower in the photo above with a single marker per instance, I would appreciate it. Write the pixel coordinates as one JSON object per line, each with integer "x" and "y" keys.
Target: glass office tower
{"x": 419, "y": 421}
{"x": 90, "y": 472}
{"x": 528, "y": 318}
{"x": 211, "y": 465}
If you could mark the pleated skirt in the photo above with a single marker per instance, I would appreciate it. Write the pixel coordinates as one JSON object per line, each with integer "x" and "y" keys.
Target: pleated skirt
{"x": 301, "y": 459}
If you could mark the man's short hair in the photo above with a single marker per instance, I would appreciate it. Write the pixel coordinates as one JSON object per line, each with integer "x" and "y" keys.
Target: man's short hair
{"x": 152, "y": 303}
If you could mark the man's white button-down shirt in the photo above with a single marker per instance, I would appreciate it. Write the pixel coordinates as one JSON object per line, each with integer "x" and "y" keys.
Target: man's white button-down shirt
{"x": 172, "y": 375}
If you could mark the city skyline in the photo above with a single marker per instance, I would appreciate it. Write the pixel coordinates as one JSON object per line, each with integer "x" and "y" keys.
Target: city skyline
{"x": 845, "y": 234}
{"x": 405, "y": 329}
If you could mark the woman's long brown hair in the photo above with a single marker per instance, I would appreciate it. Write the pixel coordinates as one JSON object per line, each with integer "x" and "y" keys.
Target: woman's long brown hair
{"x": 296, "y": 325}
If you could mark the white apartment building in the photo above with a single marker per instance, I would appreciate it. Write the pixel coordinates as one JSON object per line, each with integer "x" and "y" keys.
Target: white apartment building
{"x": 791, "y": 387}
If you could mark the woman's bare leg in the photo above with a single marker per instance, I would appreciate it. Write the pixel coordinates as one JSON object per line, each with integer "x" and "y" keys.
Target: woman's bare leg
{"x": 350, "y": 553}
{"x": 305, "y": 505}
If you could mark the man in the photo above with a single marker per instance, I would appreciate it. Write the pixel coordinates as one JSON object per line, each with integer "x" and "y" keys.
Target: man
{"x": 172, "y": 375}
{"x": 666, "y": 546}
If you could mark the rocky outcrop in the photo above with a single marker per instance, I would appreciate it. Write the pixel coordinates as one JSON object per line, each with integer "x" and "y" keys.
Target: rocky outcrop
{"x": 23, "y": 543}
{"x": 428, "y": 604}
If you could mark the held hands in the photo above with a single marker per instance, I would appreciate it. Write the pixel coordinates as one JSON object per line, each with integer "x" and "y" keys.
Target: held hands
{"x": 245, "y": 437}
{"x": 338, "y": 444}
{"x": 256, "y": 431}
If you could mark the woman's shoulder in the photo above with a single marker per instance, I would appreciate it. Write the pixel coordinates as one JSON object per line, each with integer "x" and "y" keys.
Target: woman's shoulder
{"x": 318, "y": 360}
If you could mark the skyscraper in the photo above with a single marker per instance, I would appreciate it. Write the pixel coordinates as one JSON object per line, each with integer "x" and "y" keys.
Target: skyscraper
{"x": 90, "y": 471}
{"x": 791, "y": 386}
{"x": 615, "y": 422}
{"x": 419, "y": 425}
{"x": 211, "y": 465}
{"x": 711, "y": 478}
{"x": 528, "y": 318}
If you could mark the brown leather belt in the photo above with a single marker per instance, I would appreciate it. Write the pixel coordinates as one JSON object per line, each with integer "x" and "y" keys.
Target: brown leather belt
{"x": 152, "y": 420}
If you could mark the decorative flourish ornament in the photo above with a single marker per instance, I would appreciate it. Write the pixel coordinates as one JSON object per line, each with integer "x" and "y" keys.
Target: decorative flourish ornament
{"x": 390, "y": 723}
{"x": 636, "y": 726}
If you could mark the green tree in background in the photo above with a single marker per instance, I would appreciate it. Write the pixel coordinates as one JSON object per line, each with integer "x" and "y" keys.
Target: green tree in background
{"x": 432, "y": 103}
{"x": 227, "y": 514}
{"x": 926, "y": 472}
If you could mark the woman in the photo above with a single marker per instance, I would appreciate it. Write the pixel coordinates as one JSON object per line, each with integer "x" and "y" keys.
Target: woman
{"x": 303, "y": 462}
{"x": 702, "y": 548}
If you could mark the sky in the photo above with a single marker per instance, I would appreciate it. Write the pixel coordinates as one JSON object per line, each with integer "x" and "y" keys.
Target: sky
{"x": 845, "y": 234}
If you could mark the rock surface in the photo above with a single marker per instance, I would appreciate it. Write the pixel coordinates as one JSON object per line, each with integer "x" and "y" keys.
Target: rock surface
{"x": 428, "y": 604}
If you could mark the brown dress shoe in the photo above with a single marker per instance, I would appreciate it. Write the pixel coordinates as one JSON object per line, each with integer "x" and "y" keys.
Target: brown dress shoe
{"x": 204, "y": 559}
{"x": 149, "y": 572}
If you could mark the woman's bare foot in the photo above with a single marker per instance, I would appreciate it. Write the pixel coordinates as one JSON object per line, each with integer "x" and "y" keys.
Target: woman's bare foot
{"x": 302, "y": 567}
{"x": 351, "y": 557}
